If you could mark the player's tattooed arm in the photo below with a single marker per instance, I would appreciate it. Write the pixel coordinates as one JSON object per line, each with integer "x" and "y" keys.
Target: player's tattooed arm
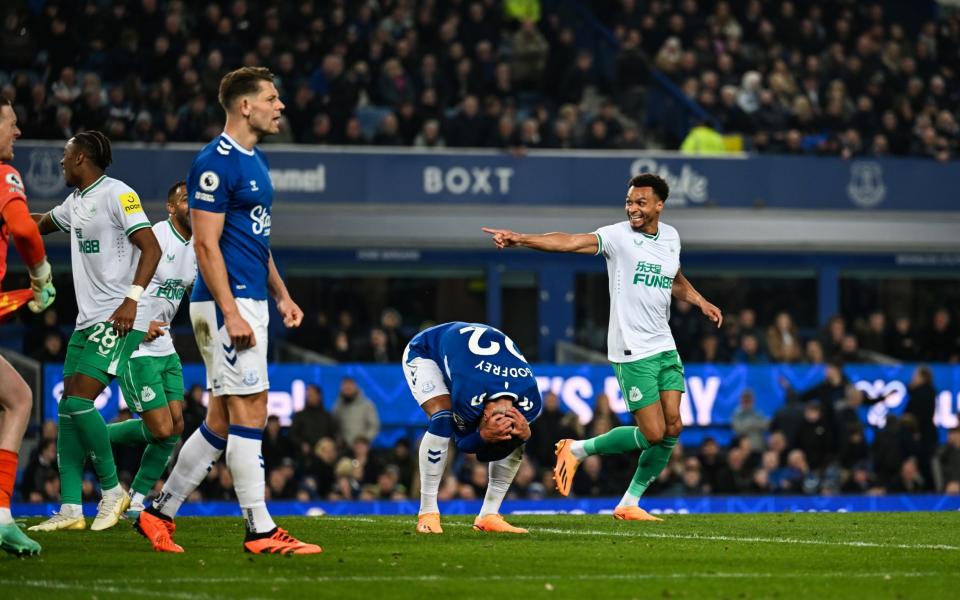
{"x": 44, "y": 223}
{"x": 579, "y": 243}
{"x": 684, "y": 290}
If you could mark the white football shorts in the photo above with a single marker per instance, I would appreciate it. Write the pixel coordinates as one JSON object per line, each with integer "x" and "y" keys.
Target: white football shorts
{"x": 423, "y": 377}
{"x": 230, "y": 372}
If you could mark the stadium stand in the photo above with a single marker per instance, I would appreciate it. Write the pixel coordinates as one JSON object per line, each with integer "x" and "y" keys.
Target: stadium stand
{"x": 835, "y": 78}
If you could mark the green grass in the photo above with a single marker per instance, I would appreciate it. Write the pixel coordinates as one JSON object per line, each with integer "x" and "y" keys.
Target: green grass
{"x": 856, "y": 555}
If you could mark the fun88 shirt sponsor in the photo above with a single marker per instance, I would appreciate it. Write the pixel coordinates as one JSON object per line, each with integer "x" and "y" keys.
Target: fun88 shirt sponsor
{"x": 227, "y": 178}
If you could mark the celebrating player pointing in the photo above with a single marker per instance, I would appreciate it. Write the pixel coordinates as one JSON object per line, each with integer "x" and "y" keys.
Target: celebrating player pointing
{"x": 643, "y": 266}
{"x": 230, "y": 197}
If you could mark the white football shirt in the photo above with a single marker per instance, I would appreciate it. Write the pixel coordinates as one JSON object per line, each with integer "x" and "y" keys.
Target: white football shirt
{"x": 100, "y": 220}
{"x": 641, "y": 269}
{"x": 175, "y": 274}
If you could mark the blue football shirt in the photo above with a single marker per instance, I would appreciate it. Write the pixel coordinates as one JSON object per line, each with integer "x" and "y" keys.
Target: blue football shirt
{"x": 227, "y": 178}
{"x": 479, "y": 363}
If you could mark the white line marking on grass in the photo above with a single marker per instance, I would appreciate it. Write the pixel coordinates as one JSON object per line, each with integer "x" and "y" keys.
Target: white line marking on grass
{"x": 730, "y": 538}
{"x": 104, "y": 587}
{"x": 518, "y": 577}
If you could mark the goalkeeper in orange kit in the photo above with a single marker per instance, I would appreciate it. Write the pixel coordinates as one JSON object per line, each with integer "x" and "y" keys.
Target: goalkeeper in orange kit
{"x": 16, "y": 400}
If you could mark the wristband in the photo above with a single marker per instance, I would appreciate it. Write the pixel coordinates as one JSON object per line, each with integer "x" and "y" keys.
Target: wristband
{"x": 41, "y": 270}
{"x": 135, "y": 292}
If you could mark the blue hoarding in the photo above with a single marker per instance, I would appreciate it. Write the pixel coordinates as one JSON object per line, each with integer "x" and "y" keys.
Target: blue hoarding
{"x": 337, "y": 175}
{"x": 713, "y": 391}
{"x": 656, "y": 505}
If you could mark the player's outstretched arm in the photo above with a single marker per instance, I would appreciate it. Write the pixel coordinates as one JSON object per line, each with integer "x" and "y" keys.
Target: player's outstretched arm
{"x": 684, "y": 290}
{"x": 291, "y": 313}
{"x": 44, "y": 223}
{"x": 26, "y": 237}
{"x": 207, "y": 229}
{"x": 580, "y": 243}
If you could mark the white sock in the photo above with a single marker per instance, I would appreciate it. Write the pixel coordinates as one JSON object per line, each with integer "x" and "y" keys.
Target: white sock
{"x": 137, "y": 499}
{"x": 72, "y": 510}
{"x": 5, "y": 516}
{"x": 201, "y": 450}
{"x": 245, "y": 461}
{"x": 433, "y": 461}
{"x": 114, "y": 491}
{"x": 577, "y": 450}
{"x": 629, "y": 500}
{"x": 501, "y": 474}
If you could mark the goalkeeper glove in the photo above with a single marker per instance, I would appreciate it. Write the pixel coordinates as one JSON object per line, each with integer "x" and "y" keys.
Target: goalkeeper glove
{"x": 41, "y": 283}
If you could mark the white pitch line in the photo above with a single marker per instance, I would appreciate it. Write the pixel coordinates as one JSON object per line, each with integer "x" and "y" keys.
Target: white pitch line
{"x": 103, "y": 587}
{"x": 729, "y": 538}
{"x": 486, "y": 577}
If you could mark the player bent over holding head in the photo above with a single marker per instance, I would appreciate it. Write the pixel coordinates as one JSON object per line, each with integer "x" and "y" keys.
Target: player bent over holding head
{"x": 16, "y": 401}
{"x": 643, "y": 265}
{"x": 111, "y": 237}
{"x": 476, "y": 387}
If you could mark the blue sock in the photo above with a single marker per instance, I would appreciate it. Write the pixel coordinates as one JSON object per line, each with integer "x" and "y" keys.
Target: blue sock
{"x": 441, "y": 423}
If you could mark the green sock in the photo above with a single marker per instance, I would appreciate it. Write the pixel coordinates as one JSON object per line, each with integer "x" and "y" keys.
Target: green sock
{"x": 617, "y": 441}
{"x": 70, "y": 459}
{"x": 153, "y": 463}
{"x": 131, "y": 431}
{"x": 92, "y": 431}
{"x": 652, "y": 461}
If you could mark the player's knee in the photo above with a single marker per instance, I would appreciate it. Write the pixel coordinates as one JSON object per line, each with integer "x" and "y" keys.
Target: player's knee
{"x": 17, "y": 399}
{"x": 218, "y": 426}
{"x": 674, "y": 427}
{"x": 654, "y": 434}
{"x": 162, "y": 429}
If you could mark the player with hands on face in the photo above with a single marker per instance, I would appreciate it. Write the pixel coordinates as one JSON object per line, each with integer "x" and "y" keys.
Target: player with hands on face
{"x": 477, "y": 388}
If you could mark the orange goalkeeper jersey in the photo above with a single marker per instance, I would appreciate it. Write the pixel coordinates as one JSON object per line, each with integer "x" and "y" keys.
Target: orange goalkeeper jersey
{"x": 11, "y": 188}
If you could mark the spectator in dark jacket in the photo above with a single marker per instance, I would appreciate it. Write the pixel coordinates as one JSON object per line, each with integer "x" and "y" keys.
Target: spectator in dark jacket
{"x": 312, "y": 423}
{"x": 276, "y": 445}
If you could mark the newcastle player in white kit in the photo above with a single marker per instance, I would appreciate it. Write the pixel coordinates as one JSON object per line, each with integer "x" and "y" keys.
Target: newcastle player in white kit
{"x": 643, "y": 265}
{"x": 114, "y": 254}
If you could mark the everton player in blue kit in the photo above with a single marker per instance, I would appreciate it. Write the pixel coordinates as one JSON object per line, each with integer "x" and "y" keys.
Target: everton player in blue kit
{"x": 477, "y": 388}
{"x": 230, "y": 196}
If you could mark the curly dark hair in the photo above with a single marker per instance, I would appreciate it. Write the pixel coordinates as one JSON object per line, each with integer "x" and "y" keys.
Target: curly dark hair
{"x": 650, "y": 180}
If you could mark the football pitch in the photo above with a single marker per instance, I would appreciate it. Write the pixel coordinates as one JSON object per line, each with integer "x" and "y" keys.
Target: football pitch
{"x": 780, "y": 555}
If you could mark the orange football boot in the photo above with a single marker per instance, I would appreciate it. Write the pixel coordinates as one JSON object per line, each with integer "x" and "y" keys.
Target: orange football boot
{"x": 429, "y": 523}
{"x": 158, "y": 531}
{"x": 565, "y": 468}
{"x": 633, "y": 513}
{"x": 496, "y": 524}
{"x": 279, "y": 542}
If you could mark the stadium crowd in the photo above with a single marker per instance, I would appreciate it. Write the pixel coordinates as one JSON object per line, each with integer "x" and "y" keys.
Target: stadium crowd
{"x": 833, "y": 77}
{"x": 743, "y": 339}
